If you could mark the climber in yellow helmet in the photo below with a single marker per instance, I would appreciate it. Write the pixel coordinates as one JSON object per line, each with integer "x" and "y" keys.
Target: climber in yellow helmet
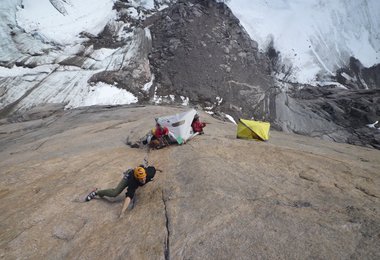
{"x": 132, "y": 179}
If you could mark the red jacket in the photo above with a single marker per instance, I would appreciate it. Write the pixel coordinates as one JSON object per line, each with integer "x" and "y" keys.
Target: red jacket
{"x": 198, "y": 126}
{"x": 159, "y": 132}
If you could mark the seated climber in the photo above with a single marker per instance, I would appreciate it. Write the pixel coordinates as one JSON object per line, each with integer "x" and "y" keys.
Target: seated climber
{"x": 132, "y": 179}
{"x": 197, "y": 125}
{"x": 160, "y": 137}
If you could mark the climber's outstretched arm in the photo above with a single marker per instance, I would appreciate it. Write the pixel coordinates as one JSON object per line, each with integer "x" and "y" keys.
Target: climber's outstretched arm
{"x": 126, "y": 203}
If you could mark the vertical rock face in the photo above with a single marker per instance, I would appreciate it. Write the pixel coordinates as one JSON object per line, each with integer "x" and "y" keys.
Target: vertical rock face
{"x": 200, "y": 51}
{"x": 330, "y": 113}
{"x": 356, "y": 76}
{"x": 133, "y": 70}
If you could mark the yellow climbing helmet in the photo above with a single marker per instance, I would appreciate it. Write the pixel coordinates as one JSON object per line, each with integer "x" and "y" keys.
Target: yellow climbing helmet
{"x": 139, "y": 173}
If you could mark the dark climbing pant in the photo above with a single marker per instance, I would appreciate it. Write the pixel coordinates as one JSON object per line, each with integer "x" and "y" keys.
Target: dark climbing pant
{"x": 113, "y": 192}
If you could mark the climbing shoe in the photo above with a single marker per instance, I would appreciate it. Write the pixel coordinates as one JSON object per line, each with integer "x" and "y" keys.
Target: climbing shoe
{"x": 91, "y": 195}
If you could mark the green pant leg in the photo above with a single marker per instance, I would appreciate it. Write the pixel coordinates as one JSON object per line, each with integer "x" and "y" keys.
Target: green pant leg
{"x": 114, "y": 192}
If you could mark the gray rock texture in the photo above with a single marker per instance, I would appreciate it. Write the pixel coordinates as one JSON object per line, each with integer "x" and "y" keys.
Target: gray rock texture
{"x": 330, "y": 113}
{"x": 217, "y": 197}
{"x": 200, "y": 51}
{"x": 356, "y": 76}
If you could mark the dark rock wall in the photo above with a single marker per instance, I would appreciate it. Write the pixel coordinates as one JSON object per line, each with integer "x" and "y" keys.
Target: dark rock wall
{"x": 359, "y": 77}
{"x": 372, "y": 76}
{"x": 349, "y": 110}
{"x": 201, "y": 51}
